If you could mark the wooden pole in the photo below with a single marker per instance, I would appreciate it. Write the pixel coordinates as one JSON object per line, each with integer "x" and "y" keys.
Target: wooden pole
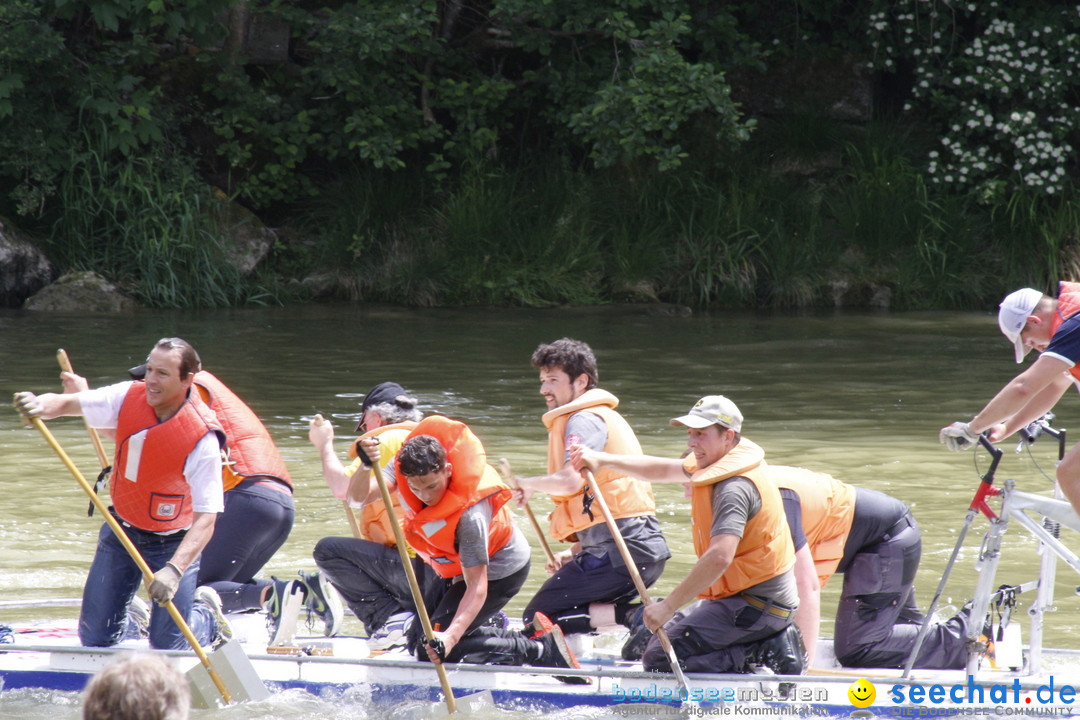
{"x": 65, "y": 365}
{"x": 511, "y": 480}
{"x": 631, "y": 567}
{"x": 349, "y": 514}
{"x": 414, "y": 586}
{"x": 148, "y": 574}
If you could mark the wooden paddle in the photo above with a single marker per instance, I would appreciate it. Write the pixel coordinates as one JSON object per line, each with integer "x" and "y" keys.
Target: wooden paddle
{"x": 631, "y": 567}
{"x": 511, "y": 480}
{"x": 354, "y": 525}
{"x": 65, "y": 365}
{"x": 414, "y": 587}
{"x": 148, "y": 574}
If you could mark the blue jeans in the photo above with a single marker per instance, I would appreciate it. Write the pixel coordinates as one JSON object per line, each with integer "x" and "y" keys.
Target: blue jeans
{"x": 113, "y": 580}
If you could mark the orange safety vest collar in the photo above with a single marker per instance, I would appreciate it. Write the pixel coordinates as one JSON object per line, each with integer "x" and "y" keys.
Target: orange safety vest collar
{"x": 625, "y": 496}
{"x": 765, "y": 549}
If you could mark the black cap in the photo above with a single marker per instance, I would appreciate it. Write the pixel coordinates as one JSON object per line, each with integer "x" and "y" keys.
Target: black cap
{"x": 384, "y": 392}
{"x": 138, "y": 372}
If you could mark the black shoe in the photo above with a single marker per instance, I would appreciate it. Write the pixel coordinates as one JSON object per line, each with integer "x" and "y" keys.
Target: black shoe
{"x": 783, "y": 653}
{"x": 984, "y": 645}
{"x": 635, "y": 645}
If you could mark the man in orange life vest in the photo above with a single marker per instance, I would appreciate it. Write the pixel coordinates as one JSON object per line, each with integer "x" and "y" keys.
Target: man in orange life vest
{"x": 744, "y": 574}
{"x": 367, "y": 570}
{"x": 166, "y": 492}
{"x": 1031, "y": 320}
{"x": 259, "y": 509}
{"x": 457, "y": 520}
{"x": 590, "y": 587}
{"x": 873, "y": 540}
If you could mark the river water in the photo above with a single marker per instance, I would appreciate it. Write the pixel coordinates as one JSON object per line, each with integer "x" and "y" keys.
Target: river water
{"x": 860, "y": 395}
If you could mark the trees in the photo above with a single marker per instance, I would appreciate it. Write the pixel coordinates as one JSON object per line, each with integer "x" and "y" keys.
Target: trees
{"x": 384, "y": 83}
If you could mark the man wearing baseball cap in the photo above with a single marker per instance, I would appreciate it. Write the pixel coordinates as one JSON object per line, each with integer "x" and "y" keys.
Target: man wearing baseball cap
{"x": 744, "y": 573}
{"x": 1032, "y": 320}
{"x": 366, "y": 568}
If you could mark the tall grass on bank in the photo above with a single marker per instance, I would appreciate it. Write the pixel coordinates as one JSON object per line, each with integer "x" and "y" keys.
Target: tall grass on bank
{"x": 148, "y": 224}
{"x": 836, "y": 216}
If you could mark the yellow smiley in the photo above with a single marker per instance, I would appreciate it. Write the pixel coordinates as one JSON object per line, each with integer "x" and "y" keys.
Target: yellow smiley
{"x": 861, "y": 693}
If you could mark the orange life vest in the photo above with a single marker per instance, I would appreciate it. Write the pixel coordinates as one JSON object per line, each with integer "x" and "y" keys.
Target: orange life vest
{"x": 765, "y": 549}
{"x": 625, "y": 496}
{"x": 1068, "y": 304}
{"x": 432, "y": 530}
{"x": 374, "y": 520}
{"x": 148, "y": 488}
{"x": 828, "y": 508}
{"x": 250, "y": 449}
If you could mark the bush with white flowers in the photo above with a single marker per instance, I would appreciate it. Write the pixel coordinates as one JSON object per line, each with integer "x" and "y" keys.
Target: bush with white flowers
{"x": 1001, "y": 81}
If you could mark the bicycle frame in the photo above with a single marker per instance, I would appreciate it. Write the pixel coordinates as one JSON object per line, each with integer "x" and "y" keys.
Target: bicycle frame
{"x": 1015, "y": 505}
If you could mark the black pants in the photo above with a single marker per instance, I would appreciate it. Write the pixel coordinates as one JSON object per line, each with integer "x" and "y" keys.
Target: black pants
{"x": 370, "y": 578}
{"x": 257, "y": 520}
{"x": 488, "y": 645}
{"x": 565, "y": 596}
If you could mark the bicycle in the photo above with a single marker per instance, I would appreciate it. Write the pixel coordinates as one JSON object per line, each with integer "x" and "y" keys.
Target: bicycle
{"x": 1015, "y": 504}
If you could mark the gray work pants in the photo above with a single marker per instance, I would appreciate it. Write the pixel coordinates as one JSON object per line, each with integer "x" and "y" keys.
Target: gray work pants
{"x": 878, "y": 621}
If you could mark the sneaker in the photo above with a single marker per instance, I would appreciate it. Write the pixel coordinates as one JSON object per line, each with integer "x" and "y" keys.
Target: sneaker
{"x": 223, "y": 631}
{"x": 275, "y": 602}
{"x": 554, "y": 652}
{"x": 138, "y": 613}
{"x": 323, "y": 601}
{"x": 393, "y": 633}
{"x": 635, "y": 644}
{"x": 541, "y": 625}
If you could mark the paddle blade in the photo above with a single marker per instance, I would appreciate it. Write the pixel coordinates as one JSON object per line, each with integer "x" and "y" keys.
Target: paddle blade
{"x": 468, "y": 705}
{"x": 236, "y": 671}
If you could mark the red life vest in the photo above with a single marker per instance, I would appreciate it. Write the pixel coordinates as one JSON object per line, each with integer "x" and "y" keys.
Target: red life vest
{"x": 250, "y": 449}
{"x": 1068, "y": 304}
{"x": 148, "y": 487}
{"x": 432, "y": 530}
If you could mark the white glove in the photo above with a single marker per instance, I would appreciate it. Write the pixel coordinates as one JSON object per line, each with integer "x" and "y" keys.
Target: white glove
{"x": 958, "y": 436}
{"x": 166, "y": 581}
{"x": 28, "y": 404}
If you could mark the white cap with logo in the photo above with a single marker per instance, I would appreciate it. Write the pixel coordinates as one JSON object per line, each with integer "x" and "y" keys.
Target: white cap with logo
{"x": 712, "y": 410}
{"x": 1013, "y": 314}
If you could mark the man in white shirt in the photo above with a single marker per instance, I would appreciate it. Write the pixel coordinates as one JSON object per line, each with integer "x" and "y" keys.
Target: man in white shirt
{"x": 166, "y": 492}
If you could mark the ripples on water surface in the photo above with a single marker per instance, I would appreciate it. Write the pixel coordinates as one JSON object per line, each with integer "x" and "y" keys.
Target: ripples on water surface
{"x": 858, "y": 395}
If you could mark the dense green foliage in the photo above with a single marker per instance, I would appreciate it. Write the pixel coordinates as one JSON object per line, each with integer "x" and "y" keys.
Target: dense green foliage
{"x": 545, "y": 151}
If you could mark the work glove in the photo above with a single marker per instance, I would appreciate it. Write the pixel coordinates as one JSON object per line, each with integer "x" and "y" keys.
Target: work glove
{"x": 27, "y": 403}
{"x": 958, "y": 436}
{"x": 166, "y": 581}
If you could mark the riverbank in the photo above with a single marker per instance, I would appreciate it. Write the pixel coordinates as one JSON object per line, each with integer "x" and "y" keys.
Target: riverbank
{"x": 809, "y": 213}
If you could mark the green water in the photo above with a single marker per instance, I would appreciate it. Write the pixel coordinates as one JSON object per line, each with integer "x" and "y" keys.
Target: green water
{"x": 857, "y": 395}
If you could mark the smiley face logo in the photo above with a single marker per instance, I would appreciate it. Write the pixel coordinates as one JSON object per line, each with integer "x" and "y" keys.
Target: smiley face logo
{"x": 861, "y": 693}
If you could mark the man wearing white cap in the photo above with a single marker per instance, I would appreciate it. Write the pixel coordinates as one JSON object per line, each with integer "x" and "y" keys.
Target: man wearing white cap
{"x": 1032, "y": 320}
{"x": 744, "y": 574}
